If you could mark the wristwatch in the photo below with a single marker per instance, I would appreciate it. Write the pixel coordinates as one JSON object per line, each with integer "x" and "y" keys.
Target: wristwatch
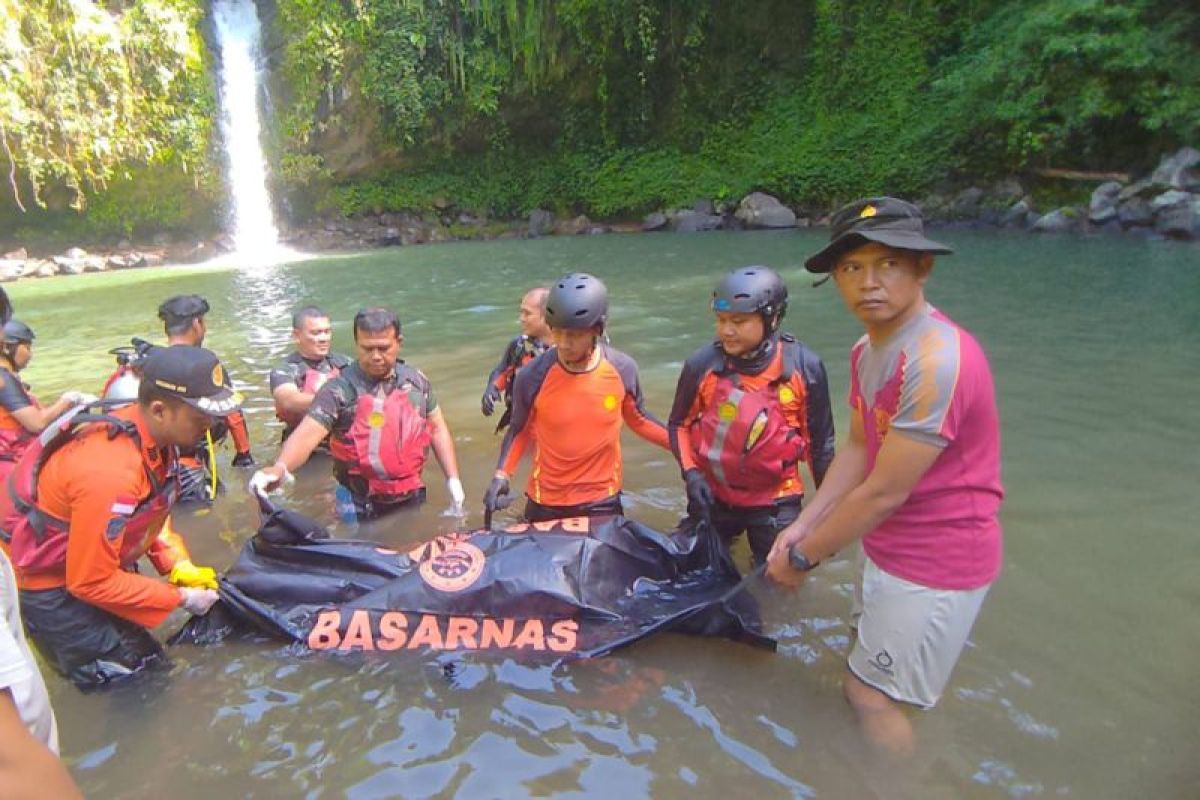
{"x": 799, "y": 561}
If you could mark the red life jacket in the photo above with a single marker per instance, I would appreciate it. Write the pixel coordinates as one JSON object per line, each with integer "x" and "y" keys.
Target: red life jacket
{"x": 743, "y": 441}
{"x": 14, "y": 439}
{"x": 36, "y": 540}
{"x": 314, "y": 379}
{"x": 386, "y": 445}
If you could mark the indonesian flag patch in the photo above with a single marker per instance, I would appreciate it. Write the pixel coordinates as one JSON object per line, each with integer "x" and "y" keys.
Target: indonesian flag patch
{"x": 124, "y": 506}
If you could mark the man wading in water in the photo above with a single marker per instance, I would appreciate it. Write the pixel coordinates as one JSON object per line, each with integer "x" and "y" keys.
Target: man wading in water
{"x": 918, "y": 480}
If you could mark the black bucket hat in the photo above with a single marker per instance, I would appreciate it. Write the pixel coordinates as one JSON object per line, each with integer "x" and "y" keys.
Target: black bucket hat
{"x": 194, "y": 375}
{"x": 181, "y": 308}
{"x": 887, "y": 220}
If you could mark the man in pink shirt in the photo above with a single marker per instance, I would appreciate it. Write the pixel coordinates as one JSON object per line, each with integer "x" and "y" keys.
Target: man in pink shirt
{"x": 919, "y": 479}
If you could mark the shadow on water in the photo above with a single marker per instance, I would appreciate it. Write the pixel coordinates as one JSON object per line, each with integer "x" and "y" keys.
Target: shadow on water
{"x": 1079, "y": 679}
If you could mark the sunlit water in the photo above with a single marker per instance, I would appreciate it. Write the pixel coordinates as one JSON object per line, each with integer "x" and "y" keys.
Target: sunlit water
{"x": 238, "y": 35}
{"x": 1080, "y": 680}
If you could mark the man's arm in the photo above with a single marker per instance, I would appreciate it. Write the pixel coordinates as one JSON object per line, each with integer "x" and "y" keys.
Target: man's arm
{"x": 832, "y": 525}
{"x": 821, "y": 438}
{"x": 27, "y": 767}
{"x": 443, "y": 444}
{"x": 633, "y": 404}
{"x": 290, "y": 401}
{"x": 301, "y": 444}
{"x": 99, "y": 504}
{"x": 683, "y": 409}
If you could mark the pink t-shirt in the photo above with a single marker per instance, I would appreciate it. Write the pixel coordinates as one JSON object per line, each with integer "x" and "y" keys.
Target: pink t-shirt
{"x": 930, "y": 380}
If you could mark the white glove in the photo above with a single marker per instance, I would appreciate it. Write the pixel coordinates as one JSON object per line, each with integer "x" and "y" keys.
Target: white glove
{"x": 197, "y": 601}
{"x": 263, "y": 482}
{"x": 457, "y": 498}
{"x": 77, "y": 398}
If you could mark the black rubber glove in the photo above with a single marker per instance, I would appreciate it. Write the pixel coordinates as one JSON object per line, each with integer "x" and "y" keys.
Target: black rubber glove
{"x": 699, "y": 493}
{"x": 490, "y": 398}
{"x": 498, "y": 496}
{"x": 243, "y": 460}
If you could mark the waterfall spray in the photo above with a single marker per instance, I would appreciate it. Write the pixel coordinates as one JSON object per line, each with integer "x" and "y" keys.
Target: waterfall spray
{"x": 238, "y": 34}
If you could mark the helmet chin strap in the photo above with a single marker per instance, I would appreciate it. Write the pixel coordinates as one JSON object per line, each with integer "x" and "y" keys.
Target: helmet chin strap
{"x": 759, "y": 358}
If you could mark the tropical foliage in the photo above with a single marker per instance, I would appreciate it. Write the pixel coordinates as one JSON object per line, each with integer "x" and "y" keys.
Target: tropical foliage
{"x": 605, "y": 106}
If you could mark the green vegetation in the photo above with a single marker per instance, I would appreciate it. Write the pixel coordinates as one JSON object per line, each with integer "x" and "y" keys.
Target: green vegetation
{"x": 607, "y": 107}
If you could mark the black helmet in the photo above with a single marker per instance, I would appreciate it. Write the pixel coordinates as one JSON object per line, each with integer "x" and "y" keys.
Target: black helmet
{"x": 17, "y": 331}
{"x": 577, "y": 300}
{"x": 748, "y": 290}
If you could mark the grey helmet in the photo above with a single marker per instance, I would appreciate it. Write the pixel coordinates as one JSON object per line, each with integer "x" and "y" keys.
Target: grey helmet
{"x": 17, "y": 331}
{"x": 577, "y": 300}
{"x": 749, "y": 290}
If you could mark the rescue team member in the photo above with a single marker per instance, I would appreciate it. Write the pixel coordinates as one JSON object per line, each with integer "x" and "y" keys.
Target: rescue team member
{"x": 570, "y": 402}
{"x": 534, "y": 340}
{"x": 381, "y": 417}
{"x": 184, "y": 322}
{"x": 295, "y": 382}
{"x": 88, "y": 499}
{"x": 749, "y": 409}
{"x": 919, "y": 478}
{"x": 22, "y": 417}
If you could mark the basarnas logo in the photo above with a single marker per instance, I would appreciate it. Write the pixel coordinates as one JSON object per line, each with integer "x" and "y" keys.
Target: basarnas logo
{"x": 882, "y": 661}
{"x": 449, "y": 563}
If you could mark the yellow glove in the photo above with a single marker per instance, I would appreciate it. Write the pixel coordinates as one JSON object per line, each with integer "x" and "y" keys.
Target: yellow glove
{"x": 185, "y": 573}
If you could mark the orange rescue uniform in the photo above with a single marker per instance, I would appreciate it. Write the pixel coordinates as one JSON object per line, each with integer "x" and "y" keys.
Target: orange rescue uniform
{"x": 574, "y": 420}
{"x": 87, "y": 482}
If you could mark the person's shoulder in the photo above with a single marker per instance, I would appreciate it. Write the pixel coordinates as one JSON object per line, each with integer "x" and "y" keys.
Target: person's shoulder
{"x": 797, "y": 354}
{"x": 409, "y": 373}
{"x": 338, "y": 360}
{"x": 708, "y": 357}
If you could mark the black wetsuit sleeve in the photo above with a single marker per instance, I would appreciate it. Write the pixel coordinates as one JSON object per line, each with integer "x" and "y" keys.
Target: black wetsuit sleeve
{"x": 13, "y": 396}
{"x": 694, "y": 370}
{"x": 526, "y": 385}
{"x": 507, "y": 362}
{"x": 820, "y": 411}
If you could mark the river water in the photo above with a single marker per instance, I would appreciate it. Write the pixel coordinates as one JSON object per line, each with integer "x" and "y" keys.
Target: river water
{"x": 1080, "y": 679}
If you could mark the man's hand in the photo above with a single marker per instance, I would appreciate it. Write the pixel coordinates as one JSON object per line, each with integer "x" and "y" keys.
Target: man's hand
{"x": 490, "y": 397}
{"x": 268, "y": 479}
{"x": 77, "y": 398}
{"x": 187, "y": 574}
{"x": 497, "y": 497}
{"x": 779, "y": 567}
{"x": 245, "y": 459}
{"x": 457, "y": 497}
{"x": 197, "y": 601}
{"x": 699, "y": 493}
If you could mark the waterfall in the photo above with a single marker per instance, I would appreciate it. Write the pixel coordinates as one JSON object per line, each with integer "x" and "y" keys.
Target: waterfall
{"x": 238, "y": 34}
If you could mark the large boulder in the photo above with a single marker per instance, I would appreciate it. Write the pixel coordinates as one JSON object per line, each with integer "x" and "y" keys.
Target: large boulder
{"x": 1170, "y": 199}
{"x": 1135, "y": 212}
{"x": 20, "y": 254}
{"x": 573, "y": 227}
{"x": 1103, "y": 205}
{"x": 1180, "y": 170}
{"x": 44, "y": 269}
{"x": 75, "y": 252}
{"x": 654, "y": 222}
{"x": 541, "y": 222}
{"x": 94, "y": 264}
{"x": 1061, "y": 220}
{"x": 1006, "y": 191}
{"x": 67, "y": 265}
{"x": 1016, "y": 214}
{"x": 688, "y": 221}
{"x": 11, "y": 269}
{"x": 1179, "y": 221}
{"x": 761, "y": 210}
{"x": 966, "y": 203}
{"x": 704, "y": 206}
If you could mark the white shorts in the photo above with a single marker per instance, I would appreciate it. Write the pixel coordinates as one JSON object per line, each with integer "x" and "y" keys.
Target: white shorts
{"x": 910, "y": 636}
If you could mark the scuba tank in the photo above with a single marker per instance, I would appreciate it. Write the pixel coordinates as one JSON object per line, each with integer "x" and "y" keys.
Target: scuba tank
{"x": 123, "y": 384}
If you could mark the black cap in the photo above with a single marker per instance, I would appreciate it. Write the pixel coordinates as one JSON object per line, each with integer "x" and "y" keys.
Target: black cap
{"x": 182, "y": 307}
{"x": 194, "y": 375}
{"x": 887, "y": 220}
